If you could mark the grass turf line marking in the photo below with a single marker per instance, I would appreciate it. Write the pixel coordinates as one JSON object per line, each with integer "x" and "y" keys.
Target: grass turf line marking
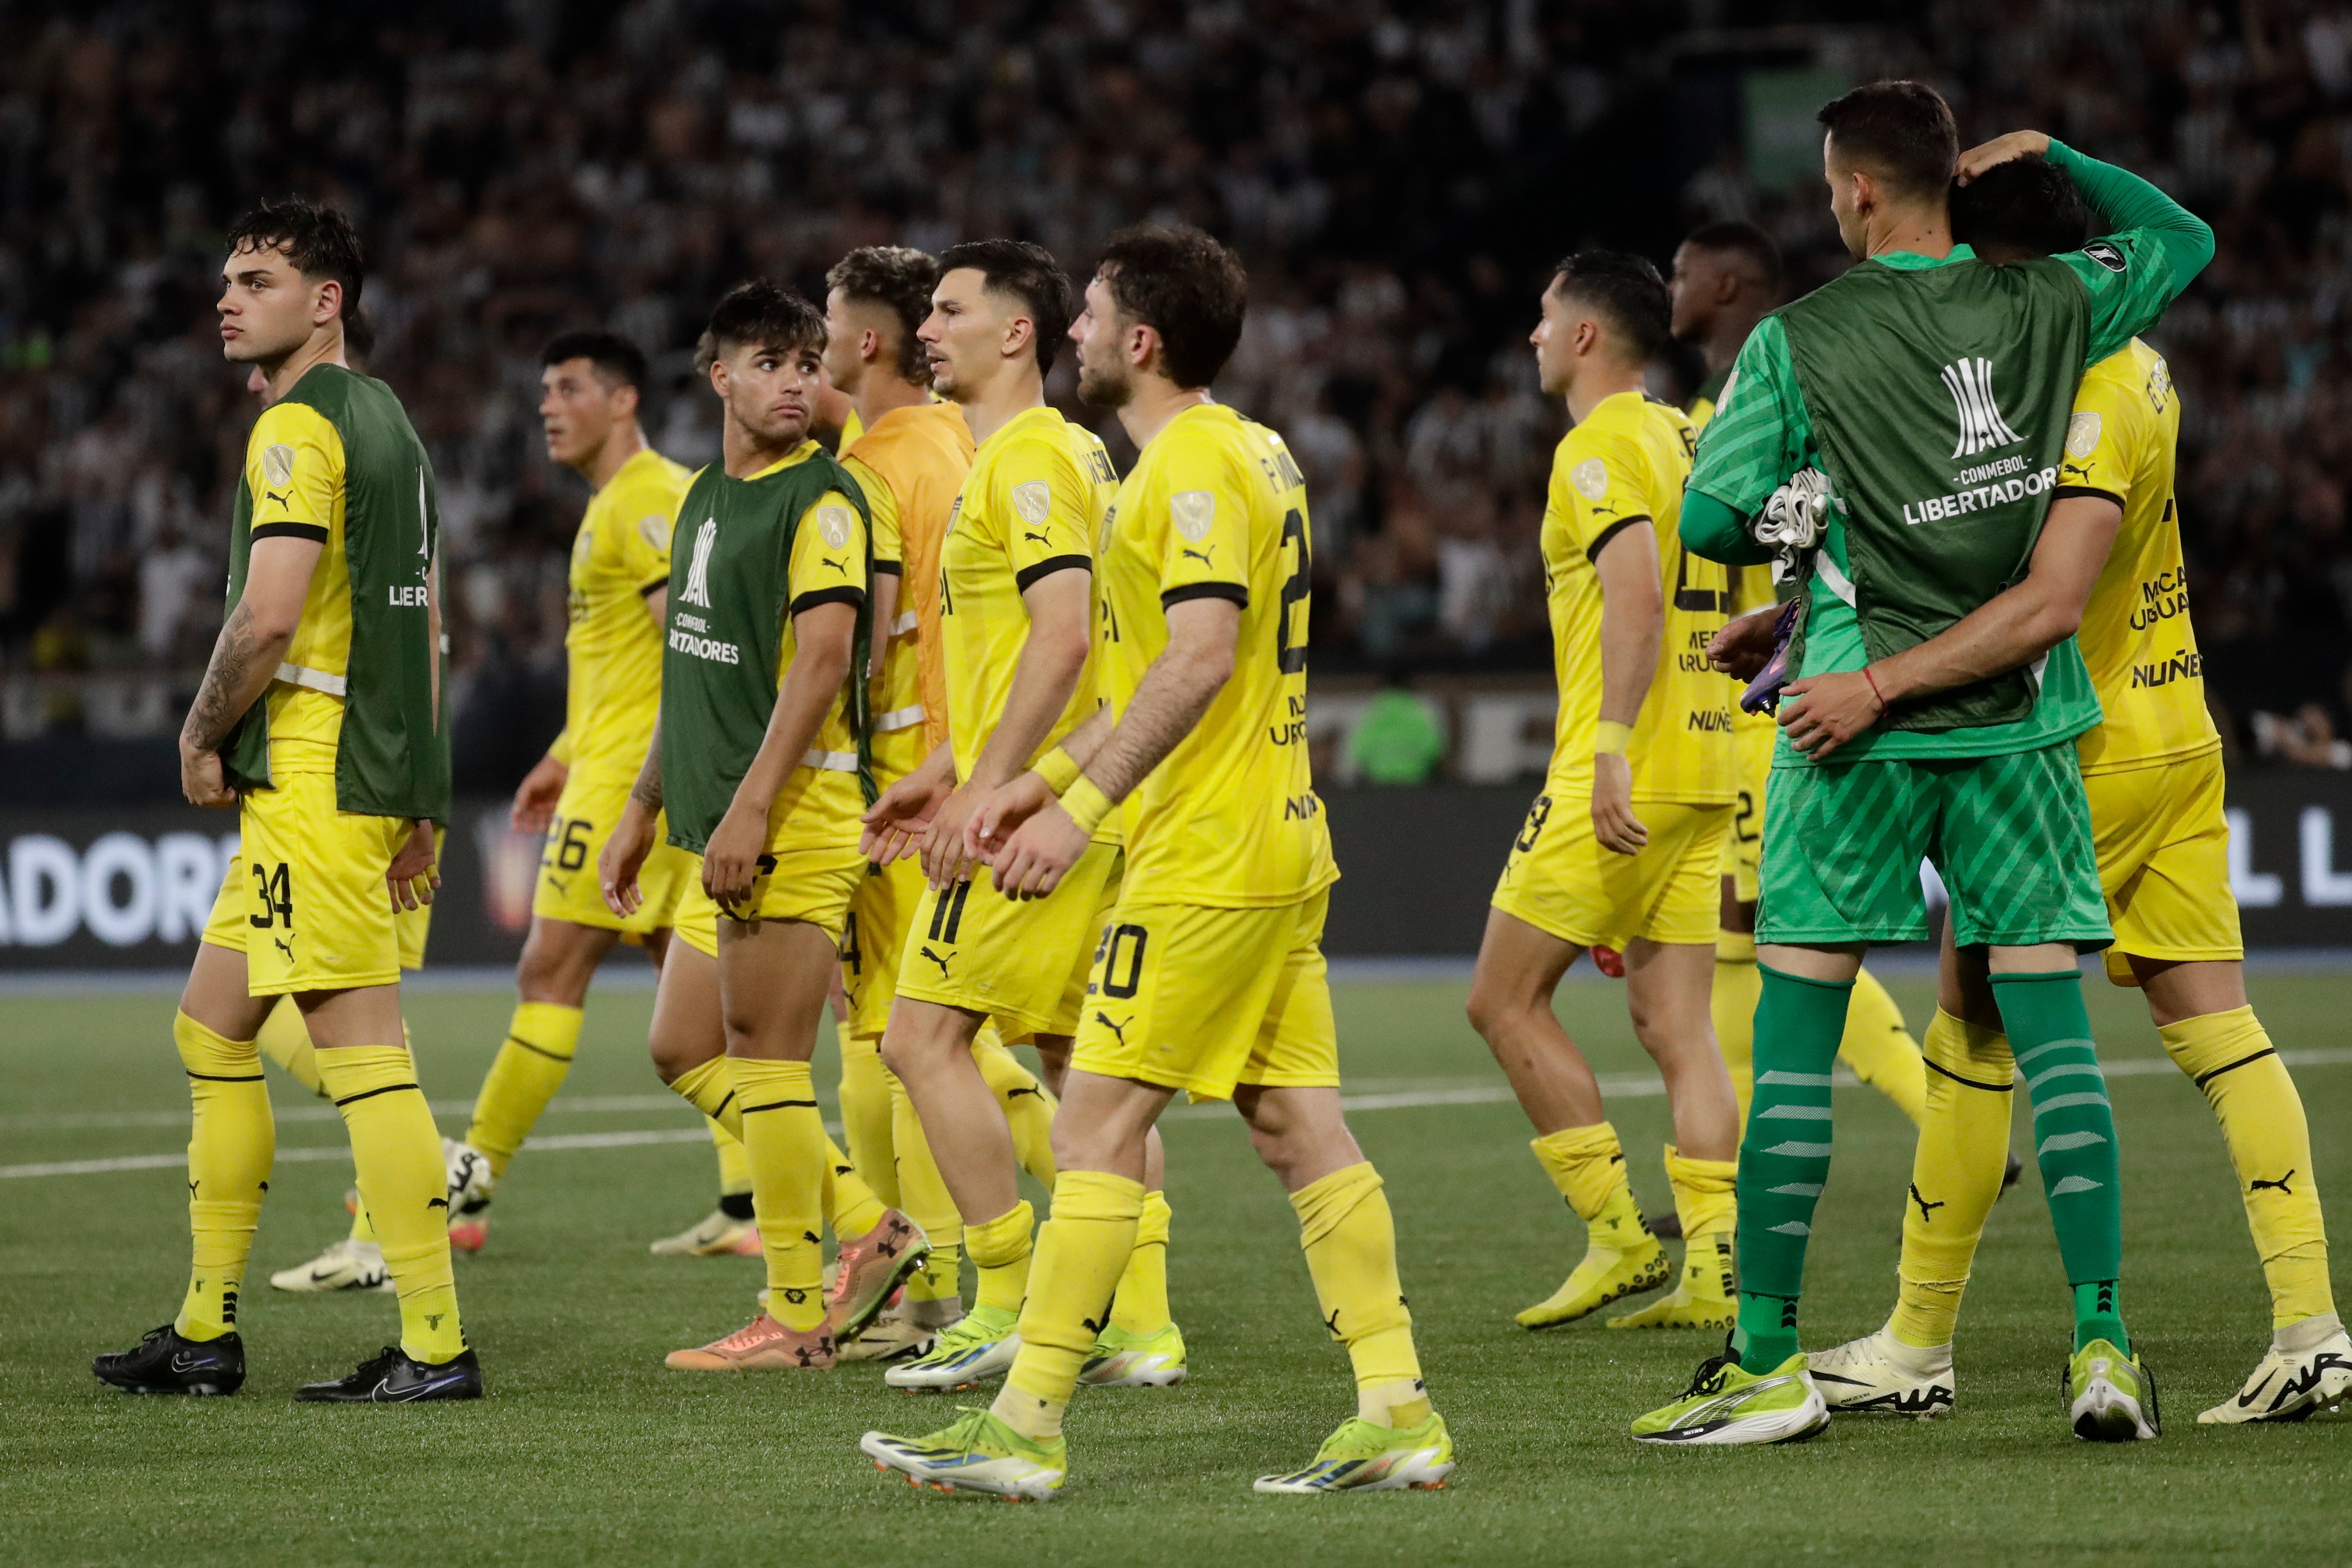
{"x": 1626, "y": 1087}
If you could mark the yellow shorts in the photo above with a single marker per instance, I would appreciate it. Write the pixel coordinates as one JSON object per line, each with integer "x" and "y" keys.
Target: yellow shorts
{"x": 1743, "y": 840}
{"x": 1023, "y": 963}
{"x": 873, "y": 941}
{"x": 1559, "y": 879}
{"x": 305, "y": 898}
{"x": 2164, "y": 863}
{"x": 1202, "y": 999}
{"x": 812, "y": 885}
{"x": 568, "y": 888}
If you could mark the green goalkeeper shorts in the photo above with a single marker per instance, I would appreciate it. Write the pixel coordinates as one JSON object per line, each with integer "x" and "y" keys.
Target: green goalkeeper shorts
{"x": 2010, "y": 834}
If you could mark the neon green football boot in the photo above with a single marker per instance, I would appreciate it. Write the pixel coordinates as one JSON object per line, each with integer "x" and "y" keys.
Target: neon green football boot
{"x": 1362, "y": 1456}
{"x": 2110, "y": 1397}
{"x": 1121, "y": 1359}
{"x": 1726, "y": 1404}
{"x": 977, "y": 1454}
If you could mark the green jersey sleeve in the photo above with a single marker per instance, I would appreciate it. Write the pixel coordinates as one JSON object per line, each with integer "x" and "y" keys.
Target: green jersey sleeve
{"x": 1759, "y": 435}
{"x": 2154, "y": 248}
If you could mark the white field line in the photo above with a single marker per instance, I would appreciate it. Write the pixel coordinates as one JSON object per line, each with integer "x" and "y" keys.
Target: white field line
{"x": 1621, "y": 1088}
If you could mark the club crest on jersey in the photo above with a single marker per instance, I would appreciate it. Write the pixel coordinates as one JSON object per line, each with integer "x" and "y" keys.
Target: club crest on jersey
{"x": 2082, "y": 433}
{"x": 833, "y": 525}
{"x": 653, "y": 528}
{"x": 1590, "y": 478}
{"x": 2159, "y": 386}
{"x": 1032, "y": 501}
{"x": 698, "y": 576}
{"x": 277, "y": 465}
{"x": 1193, "y": 512}
{"x": 1970, "y": 381}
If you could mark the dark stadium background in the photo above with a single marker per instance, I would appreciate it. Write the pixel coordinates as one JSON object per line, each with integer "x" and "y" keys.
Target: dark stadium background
{"x": 1399, "y": 178}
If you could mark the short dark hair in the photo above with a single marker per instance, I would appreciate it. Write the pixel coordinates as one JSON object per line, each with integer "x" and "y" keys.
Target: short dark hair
{"x": 763, "y": 313}
{"x": 616, "y": 359}
{"x": 1736, "y": 236}
{"x": 900, "y": 279}
{"x": 1030, "y": 274}
{"x": 318, "y": 241}
{"x": 2027, "y": 206}
{"x": 1624, "y": 288}
{"x": 1902, "y": 132}
{"x": 1185, "y": 286}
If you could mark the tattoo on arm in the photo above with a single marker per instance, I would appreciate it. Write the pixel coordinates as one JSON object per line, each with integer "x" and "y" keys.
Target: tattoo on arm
{"x": 223, "y": 699}
{"x": 647, "y": 791}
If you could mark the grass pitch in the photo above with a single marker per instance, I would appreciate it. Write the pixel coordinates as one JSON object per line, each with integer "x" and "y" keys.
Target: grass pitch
{"x": 589, "y": 1450}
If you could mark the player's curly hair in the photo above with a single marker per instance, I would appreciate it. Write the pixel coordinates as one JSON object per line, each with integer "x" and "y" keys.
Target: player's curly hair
{"x": 1027, "y": 272}
{"x": 1624, "y": 288}
{"x": 1185, "y": 286}
{"x": 899, "y": 280}
{"x": 2027, "y": 206}
{"x": 763, "y": 312}
{"x": 317, "y": 240}
{"x": 1902, "y": 132}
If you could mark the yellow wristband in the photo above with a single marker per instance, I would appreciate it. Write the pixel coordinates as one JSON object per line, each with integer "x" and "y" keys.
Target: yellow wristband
{"x": 1058, "y": 769}
{"x": 1086, "y": 804}
{"x": 1609, "y": 738}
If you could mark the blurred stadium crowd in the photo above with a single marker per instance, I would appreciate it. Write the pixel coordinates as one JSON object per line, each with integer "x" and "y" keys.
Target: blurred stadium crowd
{"x": 1399, "y": 176}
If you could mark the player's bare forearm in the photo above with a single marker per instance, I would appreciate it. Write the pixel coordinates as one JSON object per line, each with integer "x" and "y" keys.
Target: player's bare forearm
{"x": 886, "y": 610}
{"x": 1087, "y": 739}
{"x": 647, "y": 791}
{"x": 1172, "y": 695}
{"x": 1632, "y": 623}
{"x": 245, "y": 661}
{"x": 1052, "y": 659}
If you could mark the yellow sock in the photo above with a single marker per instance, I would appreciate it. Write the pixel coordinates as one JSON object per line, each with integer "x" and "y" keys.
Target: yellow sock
{"x": 1955, "y": 1174}
{"x": 232, "y": 1140}
{"x": 2252, "y": 1095}
{"x": 1880, "y": 1050}
{"x": 865, "y": 1114}
{"x": 286, "y": 1040}
{"x": 785, "y": 1136}
{"x": 850, "y": 1205}
{"x": 1349, "y": 1238}
{"x": 1589, "y": 1168}
{"x": 529, "y": 1068}
{"x": 1142, "y": 1305}
{"x": 709, "y": 1087}
{"x": 1028, "y": 1104}
{"x": 1704, "y": 1201}
{"x": 1000, "y": 1250}
{"x": 404, "y": 1185}
{"x": 1732, "y": 1004}
{"x": 1079, "y": 1259}
{"x": 361, "y": 1229}
{"x": 734, "y": 1165}
{"x": 923, "y": 1195}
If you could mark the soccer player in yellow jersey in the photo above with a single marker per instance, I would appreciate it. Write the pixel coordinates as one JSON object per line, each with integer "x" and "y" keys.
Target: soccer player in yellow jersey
{"x": 755, "y": 764}
{"x": 910, "y": 457}
{"x": 1210, "y": 979}
{"x": 321, "y": 717}
{"x": 2152, "y": 771}
{"x": 1623, "y": 845}
{"x": 1726, "y": 277}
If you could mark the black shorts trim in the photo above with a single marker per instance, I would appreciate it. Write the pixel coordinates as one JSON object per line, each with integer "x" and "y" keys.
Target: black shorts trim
{"x": 1234, "y": 591}
{"x": 309, "y": 531}
{"x": 1611, "y": 532}
{"x": 1029, "y": 577}
{"x": 816, "y": 596}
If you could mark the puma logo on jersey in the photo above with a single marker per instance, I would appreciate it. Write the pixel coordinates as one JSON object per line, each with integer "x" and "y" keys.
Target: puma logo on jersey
{"x": 934, "y": 958}
{"x": 286, "y": 499}
{"x": 2278, "y": 1187}
{"x": 1199, "y": 555}
{"x": 284, "y": 944}
{"x": 840, "y": 566}
{"x": 1118, "y": 1030}
{"x": 1924, "y": 1206}
{"x": 1038, "y": 537}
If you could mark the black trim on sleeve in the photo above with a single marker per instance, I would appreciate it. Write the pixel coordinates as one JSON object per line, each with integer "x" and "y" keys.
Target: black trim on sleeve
{"x": 889, "y": 569}
{"x": 1029, "y": 577}
{"x": 1233, "y": 591}
{"x": 2062, "y": 492}
{"x": 1592, "y": 553}
{"x": 816, "y": 596}
{"x": 656, "y": 585}
{"x": 309, "y": 531}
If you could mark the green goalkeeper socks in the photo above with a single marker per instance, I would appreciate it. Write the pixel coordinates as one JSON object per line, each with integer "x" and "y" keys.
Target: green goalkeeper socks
{"x": 2074, "y": 1139}
{"x": 1785, "y": 1157}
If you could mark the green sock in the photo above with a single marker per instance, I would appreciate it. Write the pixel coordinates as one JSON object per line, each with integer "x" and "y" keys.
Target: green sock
{"x": 2074, "y": 1139}
{"x": 1785, "y": 1157}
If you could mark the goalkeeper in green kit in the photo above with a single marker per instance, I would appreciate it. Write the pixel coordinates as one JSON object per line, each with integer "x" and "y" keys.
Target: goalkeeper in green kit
{"x": 1893, "y": 439}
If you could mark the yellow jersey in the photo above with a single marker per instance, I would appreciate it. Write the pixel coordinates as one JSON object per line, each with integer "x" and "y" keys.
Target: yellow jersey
{"x": 1030, "y": 506}
{"x": 294, "y": 466}
{"x": 613, "y": 647}
{"x": 912, "y": 465}
{"x": 1623, "y": 467}
{"x": 1217, "y": 507}
{"x": 2136, "y": 636}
